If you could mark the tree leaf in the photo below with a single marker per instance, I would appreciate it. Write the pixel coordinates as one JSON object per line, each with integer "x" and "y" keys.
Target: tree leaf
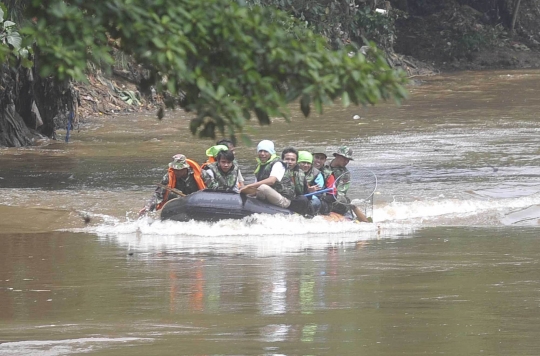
{"x": 14, "y": 39}
{"x": 228, "y": 61}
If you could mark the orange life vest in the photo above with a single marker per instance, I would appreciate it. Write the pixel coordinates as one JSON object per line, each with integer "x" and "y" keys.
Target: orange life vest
{"x": 210, "y": 160}
{"x": 196, "y": 173}
{"x": 172, "y": 180}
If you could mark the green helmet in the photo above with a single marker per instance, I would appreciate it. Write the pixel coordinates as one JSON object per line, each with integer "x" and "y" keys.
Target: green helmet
{"x": 305, "y": 156}
{"x": 344, "y": 151}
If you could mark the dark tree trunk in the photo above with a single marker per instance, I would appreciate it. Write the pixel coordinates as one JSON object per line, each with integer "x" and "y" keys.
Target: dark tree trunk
{"x": 514, "y": 15}
{"x": 32, "y": 107}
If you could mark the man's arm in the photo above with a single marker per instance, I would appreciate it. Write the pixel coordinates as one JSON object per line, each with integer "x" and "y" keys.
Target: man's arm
{"x": 209, "y": 179}
{"x": 240, "y": 179}
{"x": 157, "y": 197}
{"x": 268, "y": 181}
{"x": 278, "y": 170}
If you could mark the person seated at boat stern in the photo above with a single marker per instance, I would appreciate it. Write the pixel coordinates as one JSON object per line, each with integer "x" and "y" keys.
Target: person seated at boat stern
{"x": 222, "y": 174}
{"x": 273, "y": 180}
{"x": 179, "y": 180}
{"x": 341, "y": 178}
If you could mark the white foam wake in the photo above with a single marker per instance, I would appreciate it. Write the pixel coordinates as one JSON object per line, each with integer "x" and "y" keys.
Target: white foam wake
{"x": 452, "y": 209}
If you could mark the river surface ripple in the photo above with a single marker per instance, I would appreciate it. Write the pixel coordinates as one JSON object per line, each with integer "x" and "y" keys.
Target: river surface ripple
{"x": 450, "y": 265}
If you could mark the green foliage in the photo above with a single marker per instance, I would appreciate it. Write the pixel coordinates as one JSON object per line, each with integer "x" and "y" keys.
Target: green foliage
{"x": 472, "y": 41}
{"x": 332, "y": 19}
{"x": 340, "y": 22}
{"x": 228, "y": 62}
{"x": 11, "y": 47}
{"x": 467, "y": 38}
{"x": 379, "y": 28}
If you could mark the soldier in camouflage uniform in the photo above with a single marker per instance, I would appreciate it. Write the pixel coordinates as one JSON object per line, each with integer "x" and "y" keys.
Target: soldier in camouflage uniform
{"x": 222, "y": 174}
{"x": 290, "y": 156}
{"x": 179, "y": 176}
{"x": 341, "y": 178}
{"x": 232, "y": 147}
{"x": 338, "y": 201}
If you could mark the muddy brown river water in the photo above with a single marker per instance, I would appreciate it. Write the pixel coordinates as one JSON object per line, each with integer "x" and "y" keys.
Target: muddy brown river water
{"x": 450, "y": 266}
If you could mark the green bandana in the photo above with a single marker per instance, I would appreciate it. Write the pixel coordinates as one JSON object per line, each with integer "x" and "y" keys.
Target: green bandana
{"x": 260, "y": 164}
{"x": 214, "y": 150}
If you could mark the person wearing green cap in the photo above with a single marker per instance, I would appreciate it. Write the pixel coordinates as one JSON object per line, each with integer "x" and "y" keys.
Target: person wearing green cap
{"x": 314, "y": 180}
{"x": 222, "y": 174}
{"x": 212, "y": 152}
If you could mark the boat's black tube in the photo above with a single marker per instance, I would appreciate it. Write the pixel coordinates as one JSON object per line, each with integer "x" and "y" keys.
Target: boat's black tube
{"x": 212, "y": 206}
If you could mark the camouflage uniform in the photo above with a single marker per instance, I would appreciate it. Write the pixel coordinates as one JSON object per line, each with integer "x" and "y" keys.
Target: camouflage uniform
{"x": 221, "y": 180}
{"x": 186, "y": 186}
{"x": 340, "y": 202}
{"x": 299, "y": 180}
{"x": 326, "y": 171}
{"x": 343, "y": 184}
{"x": 311, "y": 175}
{"x": 286, "y": 186}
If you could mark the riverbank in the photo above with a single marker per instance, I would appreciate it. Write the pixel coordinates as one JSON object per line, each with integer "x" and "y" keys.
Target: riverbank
{"x": 102, "y": 97}
{"x": 446, "y": 37}
{"x": 454, "y": 37}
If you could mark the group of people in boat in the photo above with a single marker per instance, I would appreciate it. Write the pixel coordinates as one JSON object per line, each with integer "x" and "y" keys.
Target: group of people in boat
{"x": 301, "y": 181}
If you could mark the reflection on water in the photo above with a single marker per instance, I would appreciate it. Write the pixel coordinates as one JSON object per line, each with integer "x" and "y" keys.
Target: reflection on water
{"x": 445, "y": 290}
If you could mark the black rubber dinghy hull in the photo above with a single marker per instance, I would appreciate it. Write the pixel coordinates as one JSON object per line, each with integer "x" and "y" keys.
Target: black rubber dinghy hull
{"x": 213, "y": 206}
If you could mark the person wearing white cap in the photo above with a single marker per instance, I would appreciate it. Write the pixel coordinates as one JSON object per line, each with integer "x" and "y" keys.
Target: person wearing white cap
{"x": 274, "y": 183}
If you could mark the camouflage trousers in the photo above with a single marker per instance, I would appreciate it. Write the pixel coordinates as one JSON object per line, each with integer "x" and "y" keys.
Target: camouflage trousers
{"x": 331, "y": 205}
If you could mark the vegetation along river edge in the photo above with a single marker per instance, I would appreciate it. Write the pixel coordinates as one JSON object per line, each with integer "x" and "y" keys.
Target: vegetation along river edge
{"x": 60, "y": 67}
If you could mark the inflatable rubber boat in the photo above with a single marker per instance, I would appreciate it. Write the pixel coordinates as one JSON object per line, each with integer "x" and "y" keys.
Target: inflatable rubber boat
{"x": 207, "y": 205}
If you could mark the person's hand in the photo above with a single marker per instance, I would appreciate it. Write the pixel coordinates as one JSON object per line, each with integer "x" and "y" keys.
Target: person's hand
{"x": 313, "y": 188}
{"x": 248, "y": 190}
{"x": 143, "y": 211}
